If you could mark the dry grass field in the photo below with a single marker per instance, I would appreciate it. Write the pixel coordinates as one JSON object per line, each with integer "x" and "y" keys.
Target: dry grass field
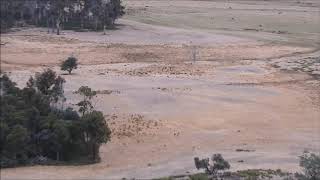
{"x": 255, "y": 85}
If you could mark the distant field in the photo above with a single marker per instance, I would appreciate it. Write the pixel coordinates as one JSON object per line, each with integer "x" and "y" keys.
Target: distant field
{"x": 286, "y": 21}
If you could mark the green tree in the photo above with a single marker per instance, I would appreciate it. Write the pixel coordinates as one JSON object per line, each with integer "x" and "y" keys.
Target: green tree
{"x": 4, "y": 131}
{"x": 87, "y": 94}
{"x": 96, "y": 132}
{"x": 58, "y": 10}
{"x": 17, "y": 140}
{"x": 7, "y": 17}
{"x": 57, "y": 135}
{"x": 7, "y": 86}
{"x": 48, "y": 84}
{"x": 310, "y": 163}
{"x": 32, "y": 127}
{"x": 218, "y": 163}
{"x": 69, "y": 64}
{"x": 56, "y": 14}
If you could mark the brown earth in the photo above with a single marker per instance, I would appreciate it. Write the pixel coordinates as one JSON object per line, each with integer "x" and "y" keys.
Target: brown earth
{"x": 254, "y": 90}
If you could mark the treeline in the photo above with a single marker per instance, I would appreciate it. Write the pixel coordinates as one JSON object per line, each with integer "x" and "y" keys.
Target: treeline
{"x": 57, "y": 14}
{"x": 36, "y": 128}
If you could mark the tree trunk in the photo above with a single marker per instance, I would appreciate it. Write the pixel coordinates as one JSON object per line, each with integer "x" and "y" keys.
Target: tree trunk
{"x": 52, "y": 25}
{"x": 58, "y": 156}
{"x": 21, "y": 16}
{"x": 94, "y": 151}
{"x": 58, "y": 26}
{"x": 112, "y": 22}
{"x": 39, "y": 17}
{"x": 81, "y": 21}
{"x": 48, "y": 25}
{"x": 96, "y": 24}
{"x": 208, "y": 169}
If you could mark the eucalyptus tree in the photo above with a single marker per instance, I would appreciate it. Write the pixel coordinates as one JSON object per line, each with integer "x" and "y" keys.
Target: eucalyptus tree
{"x": 32, "y": 129}
{"x": 58, "y": 10}
{"x": 85, "y": 105}
{"x": 56, "y": 14}
{"x": 96, "y": 132}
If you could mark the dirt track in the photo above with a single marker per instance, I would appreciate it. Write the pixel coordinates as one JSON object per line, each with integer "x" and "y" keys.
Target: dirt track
{"x": 253, "y": 90}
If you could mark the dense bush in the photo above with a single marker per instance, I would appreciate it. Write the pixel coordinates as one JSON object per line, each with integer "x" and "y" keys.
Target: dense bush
{"x": 213, "y": 167}
{"x": 218, "y": 163}
{"x": 69, "y": 64}
{"x": 310, "y": 163}
{"x": 35, "y": 128}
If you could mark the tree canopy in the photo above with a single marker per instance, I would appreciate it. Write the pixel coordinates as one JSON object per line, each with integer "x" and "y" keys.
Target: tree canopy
{"x": 69, "y": 64}
{"x": 34, "y": 129}
{"x": 57, "y": 14}
{"x": 310, "y": 162}
{"x": 218, "y": 163}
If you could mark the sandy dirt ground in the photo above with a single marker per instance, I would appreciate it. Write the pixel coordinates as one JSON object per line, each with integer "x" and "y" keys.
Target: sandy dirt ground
{"x": 254, "y": 86}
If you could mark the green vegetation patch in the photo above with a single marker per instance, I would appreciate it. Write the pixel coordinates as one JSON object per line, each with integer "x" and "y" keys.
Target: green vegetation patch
{"x": 38, "y": 128}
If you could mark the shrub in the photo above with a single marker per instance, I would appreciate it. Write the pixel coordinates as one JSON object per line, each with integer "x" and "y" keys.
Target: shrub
{"x": 217, "y": 164}
{"x": 310, "y": 163}
{"x": 69, "y": 64}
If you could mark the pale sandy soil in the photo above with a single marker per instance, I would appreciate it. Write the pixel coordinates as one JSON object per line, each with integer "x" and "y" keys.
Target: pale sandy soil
{"x": 160, "y": 122}
{"x": 21, "y": 47}
{"x": 253, "y": 90}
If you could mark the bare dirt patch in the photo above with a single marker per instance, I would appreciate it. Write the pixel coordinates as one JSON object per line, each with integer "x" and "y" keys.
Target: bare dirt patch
{"x": 34, "y": 47}
{"x": 132, "y": 126}
{"x": 253, "y": 90}
{"x": 174, "y": 69}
